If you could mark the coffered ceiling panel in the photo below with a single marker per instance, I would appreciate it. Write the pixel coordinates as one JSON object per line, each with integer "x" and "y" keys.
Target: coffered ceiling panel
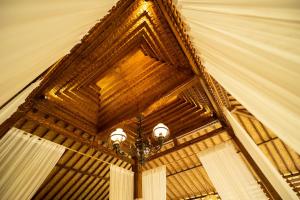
{"x": 128, "y": 61}
{"x": 133, "y": 84}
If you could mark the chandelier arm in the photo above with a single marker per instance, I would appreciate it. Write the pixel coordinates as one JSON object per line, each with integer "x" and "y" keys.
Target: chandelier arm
{"x": 118, "y": 150}
{"x": 143, "y": 147}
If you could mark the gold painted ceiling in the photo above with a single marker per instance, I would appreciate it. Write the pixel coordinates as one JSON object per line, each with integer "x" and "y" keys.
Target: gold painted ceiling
{"x": 137, "y": 59}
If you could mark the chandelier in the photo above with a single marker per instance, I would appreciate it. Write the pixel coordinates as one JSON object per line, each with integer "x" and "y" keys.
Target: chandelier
{"x": 143, "y": 147}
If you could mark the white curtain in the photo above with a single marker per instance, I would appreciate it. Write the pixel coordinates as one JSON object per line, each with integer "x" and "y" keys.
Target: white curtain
{"x": 154, "y": 184}
{"x": 252, "y": 48}
{"x": 35, "y": 34}
{"x": 25, "y": 162}
{"x": 121, "y": 183}
{"x": 261, "y": 160}
{"x": 13, "y": 105}
{"x": 229, "y": 174}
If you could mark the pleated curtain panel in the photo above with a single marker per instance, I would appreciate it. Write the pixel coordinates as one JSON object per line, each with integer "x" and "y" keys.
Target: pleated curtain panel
{"x": 229, "y": 174}
{"x": 268, "y": 169}
{"x": 120, "y": 183}
{"x": 252, "y": 48}
{"x": 25, "y": 162}
{"x": 154, "y": 184}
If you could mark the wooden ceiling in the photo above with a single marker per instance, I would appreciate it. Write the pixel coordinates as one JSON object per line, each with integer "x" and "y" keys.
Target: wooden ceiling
{"x": 186, "y": 177}
{"x": 137, "y": 59}
{"x": 128, "y": 61}
{"x": 83, "y": 176}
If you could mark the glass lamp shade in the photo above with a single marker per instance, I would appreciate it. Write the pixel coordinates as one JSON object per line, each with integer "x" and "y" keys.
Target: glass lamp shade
{"x": 160, "y": 130}
{"x": 118, "y": 136}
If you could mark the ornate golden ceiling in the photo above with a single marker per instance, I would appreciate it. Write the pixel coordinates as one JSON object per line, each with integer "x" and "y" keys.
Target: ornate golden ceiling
{"x": 137, "y": 59}
{"x": 126, "y": 65}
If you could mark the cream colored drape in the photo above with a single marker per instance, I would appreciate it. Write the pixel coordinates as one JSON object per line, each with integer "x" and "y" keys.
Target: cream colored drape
{"x": 35, "y": 34}
{"x": 261, "y": 160}
{"x": 121, "y": 183}
{"x": 154, "y": 184}
{"x": 25, "y": 162}
{"x": 229, "y": 174}
{"x": 252, "y": 48}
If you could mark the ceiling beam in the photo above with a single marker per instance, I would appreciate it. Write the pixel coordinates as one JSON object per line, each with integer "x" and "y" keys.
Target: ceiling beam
{"x": 188, "y": 143}
{"x": 82, "y": 172}
{"x": 192, "y": 128}
{"x": 74, "y": 136}
{"x": 291, "y": 175}
{"x": 178, "y": 30}
{"x": 156, "y": 114}
{"x": 51, "y": 107}
{"x": 168, "y": 108}
{"x": 200, "y": 196}
{"x": 164, "y": 112}
{"x": 170, "y": 98}
{"x": 187, "y": 169}
{"x": 178, "y": 121}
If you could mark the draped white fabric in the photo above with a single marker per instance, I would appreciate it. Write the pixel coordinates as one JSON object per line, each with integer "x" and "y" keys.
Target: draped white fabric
{"x": 121, "y": 183}
{"x": 25, "y": 162}
{"x": 261, "y": 160}
{"x": 154, "y": 184}
{"x": 229, "y": 174}
{"x": 252, "y": 48}
{"x": 35, "y": 34}
{"x": 13, "y": 105}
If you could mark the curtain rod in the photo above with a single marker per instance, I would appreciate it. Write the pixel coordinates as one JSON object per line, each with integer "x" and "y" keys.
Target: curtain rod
{"x": 70, "y": 149}
{"x": 92, "y": 157}
{"x": 40, "y": 76}
{"x": 187, "y": 156}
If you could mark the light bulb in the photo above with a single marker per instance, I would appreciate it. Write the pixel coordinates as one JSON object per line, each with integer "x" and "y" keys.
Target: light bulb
{"x": 160, "y": 130}
{"x": 118, "y": 136}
